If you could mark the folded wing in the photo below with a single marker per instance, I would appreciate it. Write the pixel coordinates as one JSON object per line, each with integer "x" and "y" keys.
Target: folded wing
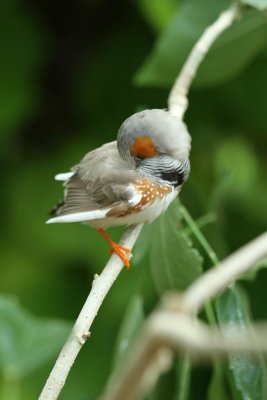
{"x": 99, "y": 184}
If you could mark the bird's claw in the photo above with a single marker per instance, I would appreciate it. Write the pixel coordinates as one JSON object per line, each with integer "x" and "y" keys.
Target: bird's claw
{"x": 120, "y": 251}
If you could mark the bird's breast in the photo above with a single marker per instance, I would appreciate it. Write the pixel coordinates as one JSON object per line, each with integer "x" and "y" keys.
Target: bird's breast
{"x": 154, "y": 199}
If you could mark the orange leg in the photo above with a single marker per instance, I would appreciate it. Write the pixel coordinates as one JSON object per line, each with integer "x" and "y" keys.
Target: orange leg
{"x": 117, "y": 248}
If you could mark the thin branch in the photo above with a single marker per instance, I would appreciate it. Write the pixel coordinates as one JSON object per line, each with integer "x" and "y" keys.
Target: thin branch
{"x": 197, "y": 339}
{"x": 80, "y": 332}
{"x": 173, "y": 326}
{"x": 219, "y": 278}
{"x": 178, "y": 101}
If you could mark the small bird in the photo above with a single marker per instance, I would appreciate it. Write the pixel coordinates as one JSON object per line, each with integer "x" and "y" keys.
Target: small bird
{"x": 129, "y": 181}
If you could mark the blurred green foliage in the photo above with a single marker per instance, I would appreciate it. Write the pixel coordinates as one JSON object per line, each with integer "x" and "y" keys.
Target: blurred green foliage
{"x": 248, "y": 371}
{"x": 21, "y": 333}
{"x": 248, "y": 35}
{"x": 66, "y": 84}
{"x": 170, "y": 252}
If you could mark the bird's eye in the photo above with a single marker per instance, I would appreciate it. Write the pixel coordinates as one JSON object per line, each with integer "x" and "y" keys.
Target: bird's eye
{"x": 176, "y": 178}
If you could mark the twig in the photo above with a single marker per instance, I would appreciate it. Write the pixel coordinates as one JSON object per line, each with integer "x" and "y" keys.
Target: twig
{"x": 80, "y": 332}
{"x": 174, "y": 327}
{"x": 217, "y": 279}
{"x": 193, "y": 337}
{"x": 178, "y": 101}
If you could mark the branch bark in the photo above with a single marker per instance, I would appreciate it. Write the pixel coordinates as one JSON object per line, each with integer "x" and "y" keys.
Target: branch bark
{"x": 178, "y": 98}
{"x": 81, "y": 330}
{"x": 217, "y": 279}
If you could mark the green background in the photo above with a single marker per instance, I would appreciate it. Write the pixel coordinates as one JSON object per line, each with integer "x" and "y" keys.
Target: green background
{"x": 70, "y": 73}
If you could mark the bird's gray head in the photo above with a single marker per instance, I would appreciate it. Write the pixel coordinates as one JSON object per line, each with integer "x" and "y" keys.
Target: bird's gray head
{"x": 156, "y": 143}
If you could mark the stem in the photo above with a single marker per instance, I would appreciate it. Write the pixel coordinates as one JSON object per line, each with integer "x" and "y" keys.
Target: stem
{"x": 217, "y": 279}
{"x": 177, "y": 100}
{"x": 210, "y": 252}
{"x": 201, "y": 223}
{"x": 209, "y": 311}
{"x": 184, "y": 379}
{"x": 199, "y": 235}
{"x": 80, "y": 332}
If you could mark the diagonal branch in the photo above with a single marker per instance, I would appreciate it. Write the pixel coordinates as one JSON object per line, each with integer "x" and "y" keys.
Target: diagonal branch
{"x": 80, "y": 332}
{"x": 217, "y": 279}
{"x": 178, "y": 101}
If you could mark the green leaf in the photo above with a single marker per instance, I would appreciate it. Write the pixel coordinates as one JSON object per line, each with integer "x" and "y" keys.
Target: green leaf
{"x": 26, "y": 342}
{"x": 248, "y": 371}
{"x": 230, "y": 54}
{"x": 236, "y": 158}
{"x": 132, "y": 321}
{"x": 143, "y": 243}
{"x": 158, "y": 13}
{"x": 174, "y": 263}
{"x": 259, "y": 4}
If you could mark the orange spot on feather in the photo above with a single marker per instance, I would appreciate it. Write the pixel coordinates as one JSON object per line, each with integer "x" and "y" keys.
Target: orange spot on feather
{"x": 144, "y": 147}
{"x": 150, "y": 192}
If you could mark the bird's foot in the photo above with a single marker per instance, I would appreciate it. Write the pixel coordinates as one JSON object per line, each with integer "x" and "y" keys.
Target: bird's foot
{"x": 120, "y": 250}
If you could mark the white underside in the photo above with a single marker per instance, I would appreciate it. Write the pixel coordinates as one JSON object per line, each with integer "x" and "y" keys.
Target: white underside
{"x": 148, "y": 214}
{"x": 98, "y": 218}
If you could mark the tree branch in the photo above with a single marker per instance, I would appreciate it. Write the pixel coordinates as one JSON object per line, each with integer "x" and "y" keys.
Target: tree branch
{"x": 178, "y": 101}
{"x": 217, "y": 279}
{"x": 80, "y": 332}
{"x": 173, "y": 325}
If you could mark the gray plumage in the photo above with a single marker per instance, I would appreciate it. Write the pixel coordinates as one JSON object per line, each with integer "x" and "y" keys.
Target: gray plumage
{"x": 169, "y": 133}
{"x": 100, "y": 180}
{"x": 104, "y": 178}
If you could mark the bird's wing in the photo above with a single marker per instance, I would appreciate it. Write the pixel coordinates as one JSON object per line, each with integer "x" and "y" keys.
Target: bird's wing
{"x": 100, "y": 184}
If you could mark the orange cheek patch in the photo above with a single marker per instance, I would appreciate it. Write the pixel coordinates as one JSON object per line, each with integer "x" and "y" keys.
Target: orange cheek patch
{"x": 144, "y": 147}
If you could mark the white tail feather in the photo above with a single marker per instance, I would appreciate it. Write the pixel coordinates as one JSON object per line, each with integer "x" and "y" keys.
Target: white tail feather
{"x": 64, "y": 177}
{"x": 79, "y": 217}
